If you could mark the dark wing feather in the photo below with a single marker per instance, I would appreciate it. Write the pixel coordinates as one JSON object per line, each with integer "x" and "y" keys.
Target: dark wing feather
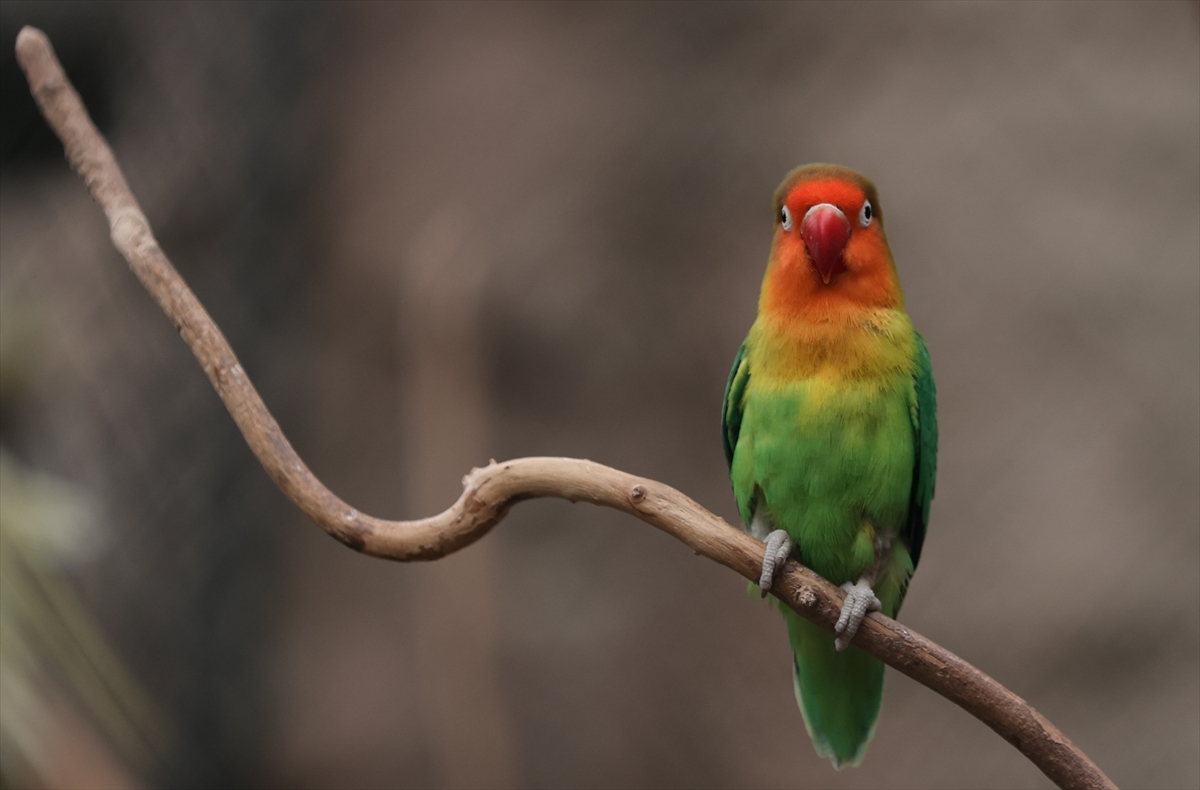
{"x": 731, "y": 409}
{"x": 925, "y": 441}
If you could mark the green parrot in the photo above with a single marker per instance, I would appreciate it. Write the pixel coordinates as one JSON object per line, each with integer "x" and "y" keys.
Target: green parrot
{"x": 830, "y": 431}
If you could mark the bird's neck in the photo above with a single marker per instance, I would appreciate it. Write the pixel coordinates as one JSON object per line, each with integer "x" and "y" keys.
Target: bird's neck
{"x": 852, "y": 343}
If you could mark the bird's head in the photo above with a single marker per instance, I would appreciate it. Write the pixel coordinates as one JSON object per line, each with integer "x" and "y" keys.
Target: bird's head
{"x": 830, "y": 251}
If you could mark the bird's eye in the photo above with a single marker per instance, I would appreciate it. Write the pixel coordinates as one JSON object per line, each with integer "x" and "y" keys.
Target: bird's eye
{"x": 785, "y": 218}
{"x": 865, "y": 215}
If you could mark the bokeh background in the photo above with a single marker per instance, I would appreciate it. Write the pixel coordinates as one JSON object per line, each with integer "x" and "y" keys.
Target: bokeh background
{"x": 439, "y": 234}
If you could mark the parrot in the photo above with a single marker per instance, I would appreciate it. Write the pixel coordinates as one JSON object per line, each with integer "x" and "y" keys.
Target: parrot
{"x": 829, "y": 426}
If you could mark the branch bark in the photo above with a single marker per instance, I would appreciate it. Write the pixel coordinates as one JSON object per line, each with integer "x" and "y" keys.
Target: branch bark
{"x": 489, "y": 492}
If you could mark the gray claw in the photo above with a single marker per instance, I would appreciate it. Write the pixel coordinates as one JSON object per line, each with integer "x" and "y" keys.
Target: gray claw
{"x": 860, "y": 599}
{"x": 779, "y": 548}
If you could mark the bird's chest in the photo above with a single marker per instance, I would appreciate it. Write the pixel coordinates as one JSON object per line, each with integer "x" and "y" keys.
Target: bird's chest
{"x": 834, "y": 438}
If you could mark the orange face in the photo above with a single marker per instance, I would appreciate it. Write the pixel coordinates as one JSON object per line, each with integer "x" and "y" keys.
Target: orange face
{"x": 830, "y": 253}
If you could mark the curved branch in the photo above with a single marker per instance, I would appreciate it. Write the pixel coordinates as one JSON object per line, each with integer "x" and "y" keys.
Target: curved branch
{"x": 488, "y": 493}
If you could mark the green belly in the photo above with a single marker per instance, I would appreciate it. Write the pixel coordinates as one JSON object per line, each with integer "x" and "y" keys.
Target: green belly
{"x": 833, "y": 463}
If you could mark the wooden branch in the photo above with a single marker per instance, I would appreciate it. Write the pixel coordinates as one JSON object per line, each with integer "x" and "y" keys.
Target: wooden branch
{"x": 488, "y": 493}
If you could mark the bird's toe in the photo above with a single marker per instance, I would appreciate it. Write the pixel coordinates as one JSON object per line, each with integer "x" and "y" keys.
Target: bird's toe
{"x": 779, "y": 548}
{"x": 860, "y": 599}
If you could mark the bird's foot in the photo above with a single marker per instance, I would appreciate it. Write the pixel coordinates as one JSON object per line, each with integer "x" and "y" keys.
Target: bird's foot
{"x": 860, "y": 599}
{"x": 779, "y": 548}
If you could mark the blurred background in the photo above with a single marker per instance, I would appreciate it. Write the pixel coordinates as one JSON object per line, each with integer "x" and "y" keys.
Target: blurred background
{"x": 439, "y": 234}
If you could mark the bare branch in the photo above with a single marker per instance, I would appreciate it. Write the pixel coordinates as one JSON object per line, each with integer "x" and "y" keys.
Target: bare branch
{"x": 488, "y": 493}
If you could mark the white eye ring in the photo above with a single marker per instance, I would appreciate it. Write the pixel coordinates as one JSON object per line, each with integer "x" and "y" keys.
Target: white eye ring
{"x": 865, "y": 214}
{"x": 785, "y": 218}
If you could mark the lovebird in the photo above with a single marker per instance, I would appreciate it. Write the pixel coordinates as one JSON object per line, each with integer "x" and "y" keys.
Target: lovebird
{"x": 830, "y": 431}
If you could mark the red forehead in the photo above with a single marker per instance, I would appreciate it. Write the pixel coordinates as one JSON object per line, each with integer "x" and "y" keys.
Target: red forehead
{"x": 842, "y": 194}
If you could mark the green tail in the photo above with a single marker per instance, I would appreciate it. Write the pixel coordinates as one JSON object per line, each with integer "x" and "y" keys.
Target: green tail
{"x": 838, "y": 693}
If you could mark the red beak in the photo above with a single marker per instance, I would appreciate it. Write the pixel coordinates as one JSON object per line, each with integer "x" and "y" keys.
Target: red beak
{"x": 825, "y": 232}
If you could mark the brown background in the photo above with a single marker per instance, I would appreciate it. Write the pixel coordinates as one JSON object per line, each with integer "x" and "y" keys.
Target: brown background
{"x": 439, "y": 234}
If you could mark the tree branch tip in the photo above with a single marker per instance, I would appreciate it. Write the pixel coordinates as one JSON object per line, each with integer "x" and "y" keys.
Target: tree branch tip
{"x": 31, "y": 37}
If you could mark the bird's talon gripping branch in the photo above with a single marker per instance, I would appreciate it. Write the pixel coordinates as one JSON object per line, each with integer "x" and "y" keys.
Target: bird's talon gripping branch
{"x": 860, "y": 599}
{"x": 779, "y": 548}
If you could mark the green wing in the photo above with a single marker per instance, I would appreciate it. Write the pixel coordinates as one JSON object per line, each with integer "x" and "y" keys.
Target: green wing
{"x": 925, "y": 440}
{"x": 731, "y": 409}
